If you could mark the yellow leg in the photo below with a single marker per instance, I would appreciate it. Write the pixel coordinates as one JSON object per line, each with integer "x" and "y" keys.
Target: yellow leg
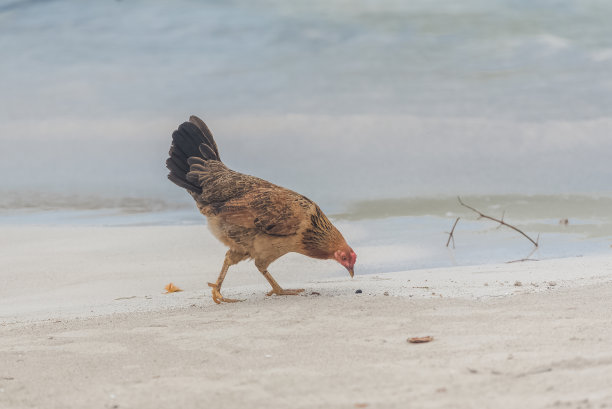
{"x": 231, "y": 258}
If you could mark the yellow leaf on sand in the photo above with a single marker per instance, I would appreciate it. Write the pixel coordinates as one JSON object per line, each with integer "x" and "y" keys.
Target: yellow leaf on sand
{"x": 171, "y": 288}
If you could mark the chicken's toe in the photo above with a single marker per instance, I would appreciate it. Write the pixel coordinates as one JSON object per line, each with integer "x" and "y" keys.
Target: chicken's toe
{"x": 289, "y": 291}
{"x": 217, "y": 297}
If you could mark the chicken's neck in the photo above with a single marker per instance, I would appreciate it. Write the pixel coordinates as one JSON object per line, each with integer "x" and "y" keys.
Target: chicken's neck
{"x": 321, "y": 239}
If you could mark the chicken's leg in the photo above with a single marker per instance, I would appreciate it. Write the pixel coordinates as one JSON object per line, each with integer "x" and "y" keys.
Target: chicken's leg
{"x": 231, "y": 258}
{"x": 276, "y": 289}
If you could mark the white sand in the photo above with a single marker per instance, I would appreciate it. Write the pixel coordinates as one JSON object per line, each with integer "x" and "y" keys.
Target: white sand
{"x": 85, "y": 324}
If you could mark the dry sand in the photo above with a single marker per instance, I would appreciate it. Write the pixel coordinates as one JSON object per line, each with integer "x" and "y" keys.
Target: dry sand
{"x": 96, "y": 332}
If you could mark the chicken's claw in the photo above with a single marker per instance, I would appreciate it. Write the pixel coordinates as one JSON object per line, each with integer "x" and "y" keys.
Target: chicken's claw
{"x": 280, "y": 291}
{"x": 217, "y": 297}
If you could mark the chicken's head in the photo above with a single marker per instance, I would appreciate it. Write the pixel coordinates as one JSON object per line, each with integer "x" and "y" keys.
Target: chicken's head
{"x": 347, "y": 258}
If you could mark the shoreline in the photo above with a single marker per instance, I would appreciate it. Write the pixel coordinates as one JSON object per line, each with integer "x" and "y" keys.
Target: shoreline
{"x": 134, "y": 287}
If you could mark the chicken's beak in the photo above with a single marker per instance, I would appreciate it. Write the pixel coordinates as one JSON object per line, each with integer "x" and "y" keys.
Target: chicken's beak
{"x": 351, "y": 272}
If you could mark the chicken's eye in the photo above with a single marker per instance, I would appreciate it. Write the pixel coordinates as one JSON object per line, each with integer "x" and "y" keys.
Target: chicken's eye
{"x": 343, "y": 258}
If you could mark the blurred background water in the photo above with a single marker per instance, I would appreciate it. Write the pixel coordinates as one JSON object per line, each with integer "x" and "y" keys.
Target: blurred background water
{"x": 378, "y": 110}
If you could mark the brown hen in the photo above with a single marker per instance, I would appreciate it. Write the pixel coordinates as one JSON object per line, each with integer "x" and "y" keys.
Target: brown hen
{"x": 254, "y": 218}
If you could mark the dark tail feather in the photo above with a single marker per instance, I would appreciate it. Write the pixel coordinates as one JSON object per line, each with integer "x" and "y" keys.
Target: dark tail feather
{"x": 191, "y": 139}
{"x": 202, "y": 127}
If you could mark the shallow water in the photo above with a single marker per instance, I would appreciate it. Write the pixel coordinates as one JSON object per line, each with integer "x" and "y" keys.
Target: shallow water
{"x": 398, "y": 234}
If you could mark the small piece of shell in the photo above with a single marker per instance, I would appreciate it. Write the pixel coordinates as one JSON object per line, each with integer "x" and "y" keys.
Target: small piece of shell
{"x": 171, "y": 288}
{"x": 420, "y": 340}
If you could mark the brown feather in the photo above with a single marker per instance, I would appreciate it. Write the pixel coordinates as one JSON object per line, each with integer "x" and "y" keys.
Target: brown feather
{"x": 250, "y": 215}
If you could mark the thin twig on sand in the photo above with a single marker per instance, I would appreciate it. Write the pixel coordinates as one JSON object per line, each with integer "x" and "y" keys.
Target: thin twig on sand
{"x": 450, "y": 235}
{"x": 500, "y": 221}
{"x": 522, "y": 260}
{"x": 528, "y": 257}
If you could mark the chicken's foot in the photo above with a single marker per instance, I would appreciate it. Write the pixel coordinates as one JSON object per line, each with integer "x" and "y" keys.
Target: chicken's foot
{"x": 276, "y": 289}
{"x": 289, "y": 291}
{"x": 217, "y": 297}
{"x": 231, "y": 258}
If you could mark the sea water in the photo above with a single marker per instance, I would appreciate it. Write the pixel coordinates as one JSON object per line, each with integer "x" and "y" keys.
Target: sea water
{"x": 382, "y": 112}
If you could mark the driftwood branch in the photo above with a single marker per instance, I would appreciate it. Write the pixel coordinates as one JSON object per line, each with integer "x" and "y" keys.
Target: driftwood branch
{"x": 500, "y": 221}
{"x": 450, "y": 235}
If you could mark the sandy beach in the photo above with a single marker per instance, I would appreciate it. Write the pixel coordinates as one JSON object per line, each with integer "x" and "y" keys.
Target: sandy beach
{"x": 460, "y": 148}
{"x": 90, "y": 327}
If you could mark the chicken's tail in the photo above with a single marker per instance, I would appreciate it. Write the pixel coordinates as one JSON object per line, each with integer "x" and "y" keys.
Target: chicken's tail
{"x": 191, "y": 139}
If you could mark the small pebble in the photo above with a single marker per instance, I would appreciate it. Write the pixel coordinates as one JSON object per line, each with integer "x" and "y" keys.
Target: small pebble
{"x": 552, "y": 283}
{"x": 358, "y": 292}
{"x": 386, "y": 293}
{"x": 518, "y": 284}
